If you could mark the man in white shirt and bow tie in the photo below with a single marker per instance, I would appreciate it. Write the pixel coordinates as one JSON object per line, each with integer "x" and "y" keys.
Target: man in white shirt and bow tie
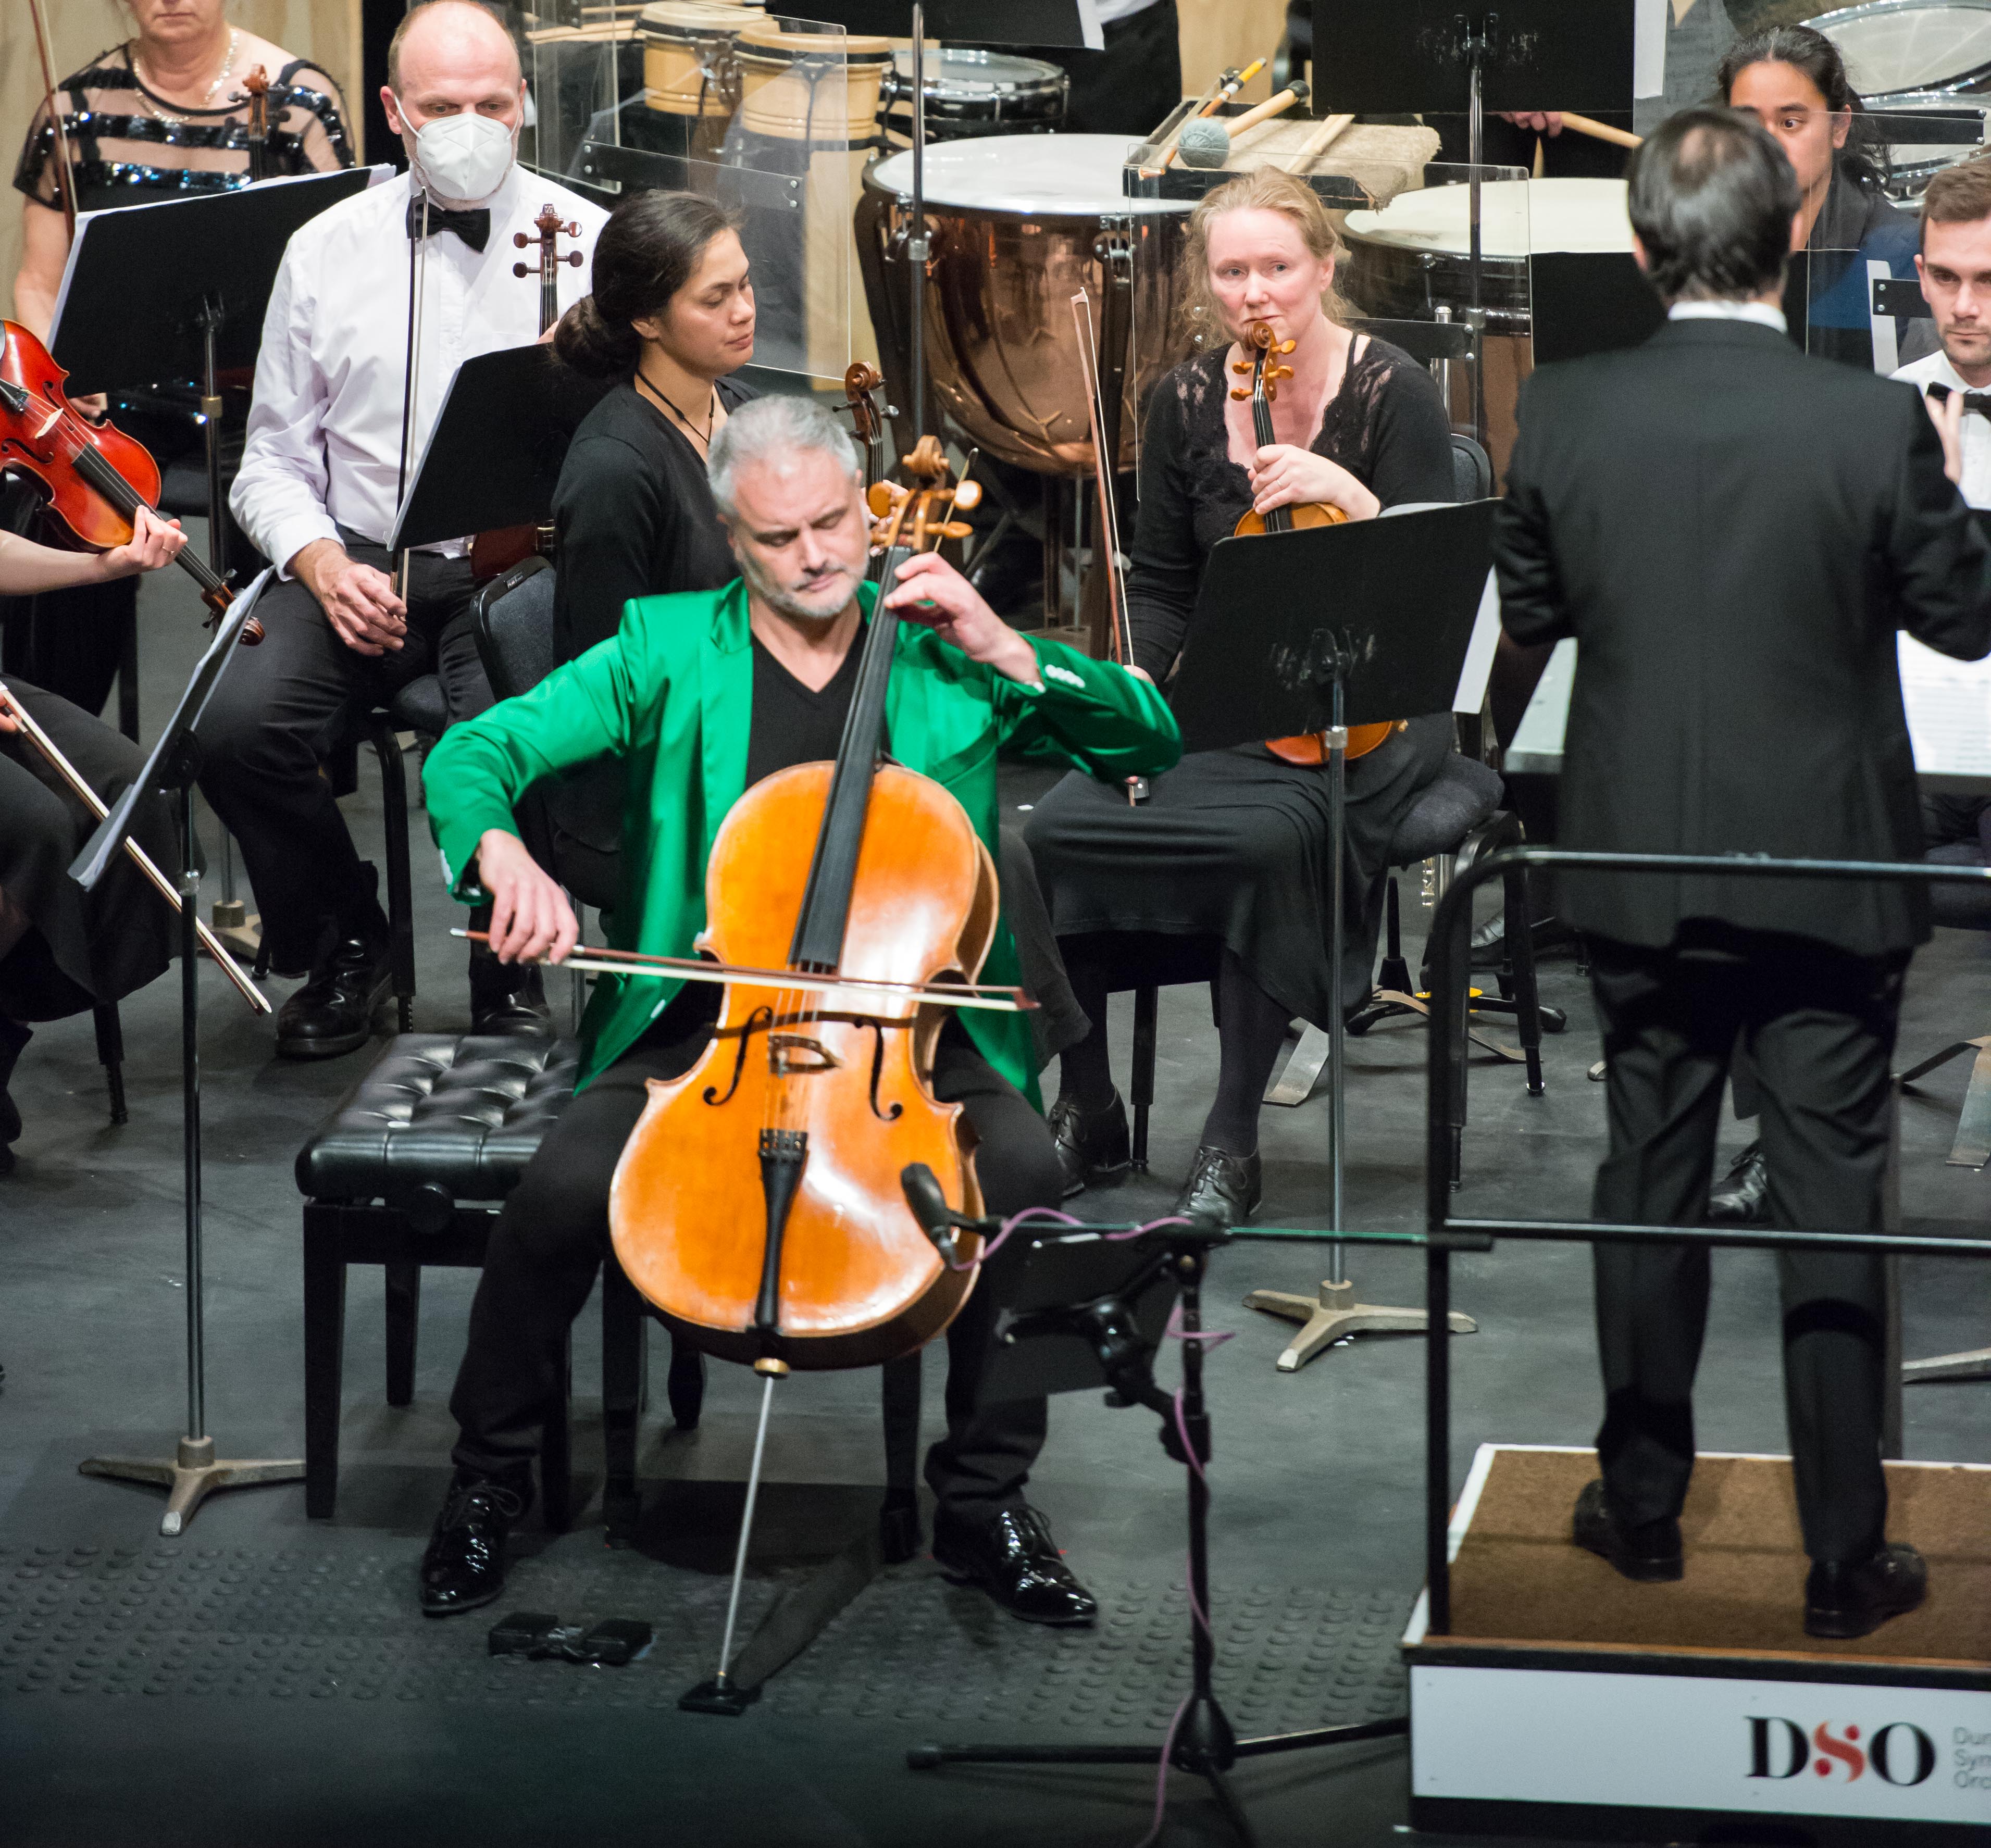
{"x": 1955, "y": 266}
{"x": 320, "y": 480}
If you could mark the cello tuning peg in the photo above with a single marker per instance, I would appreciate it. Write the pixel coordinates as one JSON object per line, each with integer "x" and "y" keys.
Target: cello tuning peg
{"x": 968, "y": 496}
{"x": 882, "y": 497}
{"x": 954, "y": 528}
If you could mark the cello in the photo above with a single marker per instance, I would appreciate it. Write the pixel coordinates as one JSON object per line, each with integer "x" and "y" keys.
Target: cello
{"x": 1307, "y": 746}
{"x": 97, "y": 476}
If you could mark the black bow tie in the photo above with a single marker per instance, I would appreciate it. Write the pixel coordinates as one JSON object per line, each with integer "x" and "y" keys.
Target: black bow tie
{"x": 1978, "y": 401}
{"x": 473, "y": 227}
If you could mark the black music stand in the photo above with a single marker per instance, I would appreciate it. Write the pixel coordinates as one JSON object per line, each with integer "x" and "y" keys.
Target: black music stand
{"x": 493, "y": 456}
{"x": 193, "y": 1470}
{"x": 1087, "y": 1309}
{"x": 1589, "y": 301}
{"x": 1270, "y": 653}
{"x": 1401, "y": 57}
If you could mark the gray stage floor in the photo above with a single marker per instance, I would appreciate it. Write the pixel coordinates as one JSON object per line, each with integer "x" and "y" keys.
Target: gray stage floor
{"x": 267, "y": 1679}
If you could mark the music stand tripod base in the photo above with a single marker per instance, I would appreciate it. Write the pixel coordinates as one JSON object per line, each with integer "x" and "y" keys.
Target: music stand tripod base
{"x": 191, "y": 1476}
{"x": 1971, "y": 1148}
{"x": 1334, "y": 1313}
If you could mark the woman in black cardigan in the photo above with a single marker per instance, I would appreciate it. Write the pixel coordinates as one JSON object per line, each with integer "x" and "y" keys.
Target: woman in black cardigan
{"x": 1224, "y": 870}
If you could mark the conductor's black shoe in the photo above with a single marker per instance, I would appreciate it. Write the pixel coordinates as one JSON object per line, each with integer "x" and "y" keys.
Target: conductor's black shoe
{"x": 1649, "y": 1553}
{"x": 464, "y": 1566}
{"x": 1843, "y": 1600}
{"x": 1742, "y": 1196}
{"x": 1092, "y": 1144}
{"x": 1222, "y": 1186}
{"x": 333, "y": 1012}
{"x": 1014, "y": 1559}
{"x": 510, "y": 1000}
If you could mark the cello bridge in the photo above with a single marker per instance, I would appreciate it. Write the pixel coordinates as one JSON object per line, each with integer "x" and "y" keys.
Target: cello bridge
{"x": 796, "y": 1055}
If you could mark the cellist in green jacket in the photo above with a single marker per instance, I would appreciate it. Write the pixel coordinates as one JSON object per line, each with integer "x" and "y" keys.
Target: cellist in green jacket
{"x": 701, "y": 696}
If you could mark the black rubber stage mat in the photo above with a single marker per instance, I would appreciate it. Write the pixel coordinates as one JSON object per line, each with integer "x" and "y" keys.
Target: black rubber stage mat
{"x": 171, "y": 1620}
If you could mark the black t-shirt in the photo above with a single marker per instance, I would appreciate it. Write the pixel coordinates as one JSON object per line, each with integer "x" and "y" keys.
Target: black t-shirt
{"x": 633, "y": 517}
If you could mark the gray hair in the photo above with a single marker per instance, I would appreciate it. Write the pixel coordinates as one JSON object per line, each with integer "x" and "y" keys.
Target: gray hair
{"x": 778, "y": 424}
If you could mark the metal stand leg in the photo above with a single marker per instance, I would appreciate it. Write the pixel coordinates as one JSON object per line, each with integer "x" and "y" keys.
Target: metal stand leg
{"x": 1972, "y": 1146}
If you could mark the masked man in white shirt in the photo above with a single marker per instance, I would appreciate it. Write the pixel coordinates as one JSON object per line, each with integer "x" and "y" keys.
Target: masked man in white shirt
{"x": 317, "y": 492}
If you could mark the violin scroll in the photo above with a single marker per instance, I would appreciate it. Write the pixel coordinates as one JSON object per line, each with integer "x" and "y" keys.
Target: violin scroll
{"x": 551, "y": 229}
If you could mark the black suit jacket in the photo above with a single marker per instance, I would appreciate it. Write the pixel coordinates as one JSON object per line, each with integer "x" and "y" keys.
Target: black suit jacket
{"x": 1733, "y": 532}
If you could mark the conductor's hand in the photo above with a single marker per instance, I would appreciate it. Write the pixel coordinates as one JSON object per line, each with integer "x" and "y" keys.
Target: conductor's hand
{"x": 358, "y": 601}
{"x": 530, "y": 917}
{"x": 154, "y": 542}
{"x": 1285, "y": 475}
{"x": 1948, "y": 418}
{"x": 1540, "y": 121}
{"x": 930, "y": 590}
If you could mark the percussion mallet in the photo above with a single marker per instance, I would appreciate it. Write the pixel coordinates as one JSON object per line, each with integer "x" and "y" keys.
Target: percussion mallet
{"x": 1233, "y": 81}
{"x": 1602, "y": 131}
{"x": 1167, "y": 152}
{"x": 1316, "y": 144}
{"x": 1239, "y": 126}
{"x": 1211, "y": 142}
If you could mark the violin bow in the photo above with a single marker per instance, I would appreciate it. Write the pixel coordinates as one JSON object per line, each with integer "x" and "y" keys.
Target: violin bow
{"x": 63, "y": 166}
{"x": 36, "y": 736}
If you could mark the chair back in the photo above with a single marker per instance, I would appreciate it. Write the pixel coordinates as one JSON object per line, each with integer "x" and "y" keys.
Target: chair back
{"x": 515, "y": 628}
{"x": 1471, "y": 469}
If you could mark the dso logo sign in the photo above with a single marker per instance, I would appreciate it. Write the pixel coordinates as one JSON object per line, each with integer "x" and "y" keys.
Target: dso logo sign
{"x": 1899, "y": 1753}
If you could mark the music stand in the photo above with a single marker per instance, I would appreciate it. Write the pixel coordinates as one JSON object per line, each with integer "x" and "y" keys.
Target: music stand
{"x": 193, "y": 1470}
{"x": 492, "y": 457}
{"x": 1414, "y": 56}
{"x": 1589, "y": 301}
{"x": 1269, "y": 654}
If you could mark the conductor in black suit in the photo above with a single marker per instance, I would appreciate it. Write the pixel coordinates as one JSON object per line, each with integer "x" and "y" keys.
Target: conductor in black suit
{"x": 1733, "y": 532}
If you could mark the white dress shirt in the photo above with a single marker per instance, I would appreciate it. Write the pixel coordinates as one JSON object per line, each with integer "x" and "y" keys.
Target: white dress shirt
{"x": 1760, "y": 312}
{"x": 324, "y": 447}
{"x": 1936, "y": 369}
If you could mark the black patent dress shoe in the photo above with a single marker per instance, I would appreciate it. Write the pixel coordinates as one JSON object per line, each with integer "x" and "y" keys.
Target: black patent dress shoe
{"x": 1649, "y": 1552}
{"x": 464, "y": 1565}
{"x": 1092, "y": 1146}
{"x": 333, "y": 1012}
{"x": 1846, "y": 1599}
{"x": 519, "y": 1007}
{"x": 1742, "y": 1196}
{"x": 1550, "y": 937}
{"x": 1222, "y": 1186}
{"x": 1014, "y": 1559}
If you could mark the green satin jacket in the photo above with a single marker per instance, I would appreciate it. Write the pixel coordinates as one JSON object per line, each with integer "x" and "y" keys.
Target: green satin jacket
{"x": 673, "y": 695}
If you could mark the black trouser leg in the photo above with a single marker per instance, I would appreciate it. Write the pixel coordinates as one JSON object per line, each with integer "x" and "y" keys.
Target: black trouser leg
{"x": 1251, "y": 1030}
{"x": 981, "y": 1466}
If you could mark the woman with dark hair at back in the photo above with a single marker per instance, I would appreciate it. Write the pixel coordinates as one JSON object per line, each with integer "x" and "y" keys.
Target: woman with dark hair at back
{"x": 1793, "y": 81}
{"x": 670, "y": 320}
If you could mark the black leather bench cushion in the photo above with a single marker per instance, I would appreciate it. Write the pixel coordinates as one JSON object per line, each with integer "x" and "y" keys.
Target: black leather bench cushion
{"x": 443, "y": 1111}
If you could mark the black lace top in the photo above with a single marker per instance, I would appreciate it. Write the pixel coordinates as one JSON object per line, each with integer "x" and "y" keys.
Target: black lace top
{"x": 1386, "y": 425}
{"x": 128, "y": 146}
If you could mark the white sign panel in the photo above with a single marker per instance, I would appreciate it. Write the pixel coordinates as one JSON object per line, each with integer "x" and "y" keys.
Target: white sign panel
{"x": 1690, "y": 1742}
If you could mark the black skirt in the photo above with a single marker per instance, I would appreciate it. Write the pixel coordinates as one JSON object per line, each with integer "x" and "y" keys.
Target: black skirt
{"x": 1231, "y": 847}
{"x": 80, "y": 948}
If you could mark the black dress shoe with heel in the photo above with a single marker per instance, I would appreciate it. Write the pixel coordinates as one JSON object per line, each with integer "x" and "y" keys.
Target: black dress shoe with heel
{"x": 1648, "y": 1552}
{"x": 333, "y": 1012}
{"x": 1742, "y": 1196}
{"x": 507, "y": 999}
{"x": 1014, "y": 1559}
{"x": 464, "y": 1565}
{"x": 1093, "y": 1146}
{"x": 1222, "y": 1186}
{"x": 1846, "y": 1599}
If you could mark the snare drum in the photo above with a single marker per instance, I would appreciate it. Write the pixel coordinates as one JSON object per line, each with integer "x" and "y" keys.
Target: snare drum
{"x": 1018, "y": 226}
{"x": 811, "y": 87}
{"x": 688, "y": 67}
{"x": 1410, "y": 258}
{"x": 1906, "y": 56}
{"x": 978, "y": 92}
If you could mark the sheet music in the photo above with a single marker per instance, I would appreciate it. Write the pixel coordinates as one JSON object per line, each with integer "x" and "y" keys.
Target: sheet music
{"x": 1472, "y": 694}
{"x": 1948, "y": 705}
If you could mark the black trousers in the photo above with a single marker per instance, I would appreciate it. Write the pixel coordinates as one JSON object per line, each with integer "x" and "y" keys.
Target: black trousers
{"x": 284, "y": 705}
{"x": 1819, "y": 1027}
{"x": 549, "y": 1241}
{"x": 1130, "y": 86}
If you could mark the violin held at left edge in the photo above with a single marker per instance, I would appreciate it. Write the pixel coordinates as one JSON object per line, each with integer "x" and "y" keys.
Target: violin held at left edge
{"x": 97, "y": 476}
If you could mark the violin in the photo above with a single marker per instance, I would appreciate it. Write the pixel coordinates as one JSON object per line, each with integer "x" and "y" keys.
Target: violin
{"x": 1308, "y": 747}
{"x": 97, "y": 476}
{"x": 256, "y": 93}
{"x": 496, "y": 552}
{"x": 758, "y": 1203}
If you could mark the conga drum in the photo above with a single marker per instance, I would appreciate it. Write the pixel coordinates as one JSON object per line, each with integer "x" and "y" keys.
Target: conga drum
{"x": 688, "y": 64}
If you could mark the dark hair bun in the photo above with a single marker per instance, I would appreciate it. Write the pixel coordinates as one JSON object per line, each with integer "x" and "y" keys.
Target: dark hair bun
{"x": 590, "y": 345}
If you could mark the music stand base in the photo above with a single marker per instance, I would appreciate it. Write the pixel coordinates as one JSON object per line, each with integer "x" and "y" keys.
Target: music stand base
{"x": 723, "y": 1697}
{"x": 1972, "y": 1146}
{"x": 1973, "y": 1363}
{"x": 191, "y": 1476}
{"x": 1333, "y": 1313}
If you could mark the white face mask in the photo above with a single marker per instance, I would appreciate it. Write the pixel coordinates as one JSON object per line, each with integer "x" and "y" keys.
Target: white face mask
{"x": 464, "y": 159}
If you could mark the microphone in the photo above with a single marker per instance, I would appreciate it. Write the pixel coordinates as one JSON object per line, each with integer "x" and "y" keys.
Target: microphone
{"x": 1204, "y": 143}
{"x": 929, "y": 1204}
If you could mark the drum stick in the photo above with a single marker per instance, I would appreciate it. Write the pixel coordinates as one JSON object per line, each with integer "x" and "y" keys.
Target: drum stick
{"x": 91, "y": 800}
{"x": 1233, "y": 81}
{"x": 1602, "y": 131}
{"x": 1316, "y": 144}
{"x": 1242, "y": 125}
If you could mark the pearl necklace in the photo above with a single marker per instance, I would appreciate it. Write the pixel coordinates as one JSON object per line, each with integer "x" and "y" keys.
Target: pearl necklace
{"x": 227, "y": 65}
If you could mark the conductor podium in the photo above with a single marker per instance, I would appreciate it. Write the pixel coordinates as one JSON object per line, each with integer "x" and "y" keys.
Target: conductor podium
{"x": 1566, "y": 1700}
